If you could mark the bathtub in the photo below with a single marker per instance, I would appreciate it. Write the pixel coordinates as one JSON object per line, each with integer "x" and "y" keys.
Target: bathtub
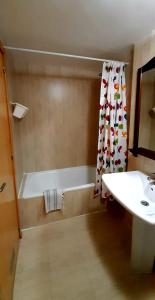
{"x": 78, "y": 186}
{"x": 66, "y": 179}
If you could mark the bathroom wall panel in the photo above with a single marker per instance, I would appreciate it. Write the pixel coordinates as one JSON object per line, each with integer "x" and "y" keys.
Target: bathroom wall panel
{"x": 61, "y": 127}
{"x": 76, "y": 203}
{"x": 15, "y": 131}
{"x": 143, "y": 52}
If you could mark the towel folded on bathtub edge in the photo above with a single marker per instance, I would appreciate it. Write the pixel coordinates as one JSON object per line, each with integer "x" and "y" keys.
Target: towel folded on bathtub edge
{"x": 53, "y": 199}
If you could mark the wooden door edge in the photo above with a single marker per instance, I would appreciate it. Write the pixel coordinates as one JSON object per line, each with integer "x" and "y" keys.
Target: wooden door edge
{"x": 11, "y": 139}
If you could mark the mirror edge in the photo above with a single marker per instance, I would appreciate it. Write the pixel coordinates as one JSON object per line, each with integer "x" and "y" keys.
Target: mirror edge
{"x": 139, "y": 150}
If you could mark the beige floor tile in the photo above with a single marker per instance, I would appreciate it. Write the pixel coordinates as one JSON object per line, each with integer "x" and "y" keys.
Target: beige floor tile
{"x": 41, "y": 291}
{"x": 86, "y": 257}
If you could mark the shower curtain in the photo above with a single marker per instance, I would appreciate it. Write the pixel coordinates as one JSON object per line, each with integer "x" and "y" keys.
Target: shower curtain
{"x": 112, "y": 137}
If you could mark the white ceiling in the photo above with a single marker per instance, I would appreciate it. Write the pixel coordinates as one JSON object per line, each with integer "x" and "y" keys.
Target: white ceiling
{"x": 86, "y": 27}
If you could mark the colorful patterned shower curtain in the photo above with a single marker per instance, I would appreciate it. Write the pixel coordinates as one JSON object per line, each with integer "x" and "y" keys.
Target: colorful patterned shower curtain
{"x": 112, "y": 138}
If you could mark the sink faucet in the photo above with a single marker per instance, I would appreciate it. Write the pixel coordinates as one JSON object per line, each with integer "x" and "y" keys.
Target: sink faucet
{"x": 151, "y": 178}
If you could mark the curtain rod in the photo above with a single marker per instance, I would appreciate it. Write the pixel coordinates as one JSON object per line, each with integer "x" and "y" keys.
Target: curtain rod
{"x": 61, "y": 54}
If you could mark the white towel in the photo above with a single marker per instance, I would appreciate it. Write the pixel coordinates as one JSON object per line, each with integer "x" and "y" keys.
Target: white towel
{"x": 53, "y": 200}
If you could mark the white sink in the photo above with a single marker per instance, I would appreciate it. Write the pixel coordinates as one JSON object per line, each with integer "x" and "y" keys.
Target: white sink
{"x": 132, "y": 190}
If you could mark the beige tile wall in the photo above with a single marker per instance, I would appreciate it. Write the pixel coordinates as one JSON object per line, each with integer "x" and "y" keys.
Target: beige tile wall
{"x": 143, "y": 52}
{"x": 16, "y": 149}
{"x": 61, "y": 127}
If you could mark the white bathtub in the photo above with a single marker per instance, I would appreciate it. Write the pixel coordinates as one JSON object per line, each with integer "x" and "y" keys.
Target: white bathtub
{"x": 78, "y": 186}
{"x": 33, "y": 184}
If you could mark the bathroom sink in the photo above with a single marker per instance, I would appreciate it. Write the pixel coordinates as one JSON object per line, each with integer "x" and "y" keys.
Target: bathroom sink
{"x": 133, "y": 191}
{"x": 150, "y": 192}
{"x": 136, "y": 193}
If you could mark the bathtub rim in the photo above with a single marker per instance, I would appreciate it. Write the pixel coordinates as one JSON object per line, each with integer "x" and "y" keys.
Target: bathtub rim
{"x": 76, "y": 188}
{"x": 58, "y": 170}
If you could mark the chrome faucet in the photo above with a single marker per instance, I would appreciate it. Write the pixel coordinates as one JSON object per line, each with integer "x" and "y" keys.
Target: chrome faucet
{"x": 151, "y": 179}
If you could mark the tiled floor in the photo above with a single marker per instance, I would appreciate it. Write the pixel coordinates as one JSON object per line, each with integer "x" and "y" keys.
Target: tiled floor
{"x": 86, "y": 257}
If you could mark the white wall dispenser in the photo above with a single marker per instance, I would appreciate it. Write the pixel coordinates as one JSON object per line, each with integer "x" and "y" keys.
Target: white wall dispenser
{"x": 19, "y": 110}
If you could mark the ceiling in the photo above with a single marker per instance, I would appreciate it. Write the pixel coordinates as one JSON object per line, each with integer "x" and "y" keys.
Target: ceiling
{"x": 85, "y": 27}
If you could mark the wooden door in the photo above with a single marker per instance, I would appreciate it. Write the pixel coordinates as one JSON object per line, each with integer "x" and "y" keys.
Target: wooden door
{"x": 9, "y": 233}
